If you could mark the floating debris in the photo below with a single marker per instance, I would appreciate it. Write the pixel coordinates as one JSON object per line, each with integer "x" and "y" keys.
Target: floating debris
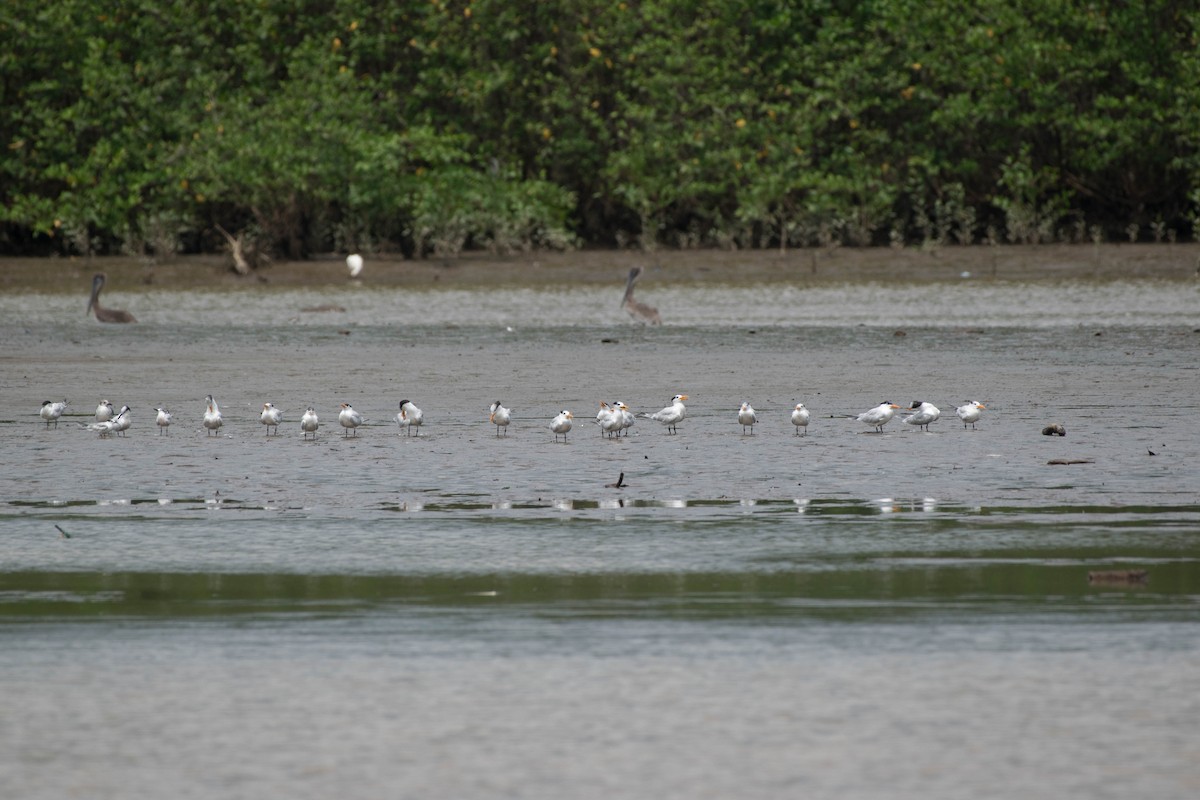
{"x": 1054, "y": 430}
{"x": 1070, "y": 461}
{"x": 63, "y": 533}
{"x": 620, "y": 484}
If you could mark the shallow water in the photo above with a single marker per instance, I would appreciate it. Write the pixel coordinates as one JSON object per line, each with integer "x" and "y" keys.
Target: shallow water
{"x": 460, "y": 614}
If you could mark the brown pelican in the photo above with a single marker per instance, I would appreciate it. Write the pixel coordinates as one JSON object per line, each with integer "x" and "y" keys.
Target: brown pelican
{"x": 639, "y": 311}
{"x": 105, "y": 314}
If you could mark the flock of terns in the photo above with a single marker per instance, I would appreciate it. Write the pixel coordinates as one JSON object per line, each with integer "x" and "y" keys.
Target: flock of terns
{"x": 614, "y": 419}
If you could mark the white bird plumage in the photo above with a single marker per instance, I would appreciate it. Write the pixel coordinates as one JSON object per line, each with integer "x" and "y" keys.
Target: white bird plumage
{"x": 117, "y": 424}
{"x": 271, "y": 417}
{"x": 561, "y": 424}
{"x": 104, "y": 411}
{"x": 51, "y": 411}
{"x": 212, "y": 415}
{"x": 121, "y": 422}
{"x": 409, "y": 417}
{"x": 602, "y": 415}
{"x": 349, "y": 419}
{"x": 879, "y": 416}
{"x": 613, "y": 420}
{"x": 970, "y": 412}
{"x": 672, "y": 415}
{"x": 354, "y": 264}
{"x": 747, "y": 418}
{"x": 625, "y": 416}
{"x": 924, "y": 414}
{"x": 163, "y": 420}
{"x": 499, "y": 416}
{"x": 800, "y": 418}
{"x": 309, "y": 422}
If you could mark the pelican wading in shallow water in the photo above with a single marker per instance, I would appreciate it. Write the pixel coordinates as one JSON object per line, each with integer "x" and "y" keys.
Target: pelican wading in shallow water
{"x": 670, "y": 416}
{"x": 349, "y": 419}
{"x": 499, "y": 416}
{"x": 163, "y": 421}
{"x": 309, "y": 423}
{"x": 970, "y": 412}
{"x": 800, "y": 417}
{"x": 105, "y": 314}
{"x": 409, "y": 417}
{"x": 104, "y": 411}
{"x": 747, "y": 418}
{"x": 879, "y": 416}
{"x": 51, "y": 411}
{"x": 561, "y": 425}
{"x": 212, "y": 416}
{"x": 271, "y": 417}
{"x": 924, "y": 414}
{"x": 638, "y": 310}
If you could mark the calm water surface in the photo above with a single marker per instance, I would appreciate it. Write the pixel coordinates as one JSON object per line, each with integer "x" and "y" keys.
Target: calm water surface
{"x": 465, "y": 615}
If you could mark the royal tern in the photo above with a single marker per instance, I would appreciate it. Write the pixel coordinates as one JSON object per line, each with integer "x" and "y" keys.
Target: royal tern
{"x": 104, "y": 411}
{"x": 354, "y": 263}
{"x": 271, "y": 417}
{"x": 625, "y": 415}
{"x": 499, "y": 416}
{"x": 163, "y": 421}
{"x": 603, "y": 414}
{"x": 879, "y": 416}
{"x": 409, "y": 417}
{"x": 672, "y": 415}
{"x": 970, "y": 412}
{"x": 614, "y": 421}
{"x": 349, "y": 419}
{"x": 561, "y": 424}
{"x": 639, "y": 311}
{"x": 51, "y": 411}
{"x": 800, "y": 417}
{"x": 212, "y": 416}
{"x": 105, "y": 314}
{"x": 121, "y": 422}
{"x": 747, "y": 417}
{"x": 924, "y": 414}
{"x": 309, "y": 423}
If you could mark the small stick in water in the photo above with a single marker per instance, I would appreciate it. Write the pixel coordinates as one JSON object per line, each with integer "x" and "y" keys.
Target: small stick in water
{"x": 65, "y": 535}
{"x": 620, "y": 484}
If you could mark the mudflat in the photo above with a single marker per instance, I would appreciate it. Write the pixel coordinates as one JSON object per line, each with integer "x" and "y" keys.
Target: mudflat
{"x": 1027, "y": 263}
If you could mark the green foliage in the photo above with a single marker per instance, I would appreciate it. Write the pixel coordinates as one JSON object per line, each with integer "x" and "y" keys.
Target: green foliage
{"x": 443, "y": 125}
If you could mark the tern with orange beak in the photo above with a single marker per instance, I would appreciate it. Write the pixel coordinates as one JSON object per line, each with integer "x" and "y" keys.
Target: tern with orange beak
{"x": 970, "y": 412}
{"x": 923, "y": 414}
{"x": 800, "y": 417}
{"x": 409, "y": 417}
{"x": 349, "y": 419}
{"x": 499, "y": 416}
{"x": 879, "y": 416}
{"x": 271, "y": 417}
{"x": 670, "y": 416}
{"x": 561, "y": 425}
